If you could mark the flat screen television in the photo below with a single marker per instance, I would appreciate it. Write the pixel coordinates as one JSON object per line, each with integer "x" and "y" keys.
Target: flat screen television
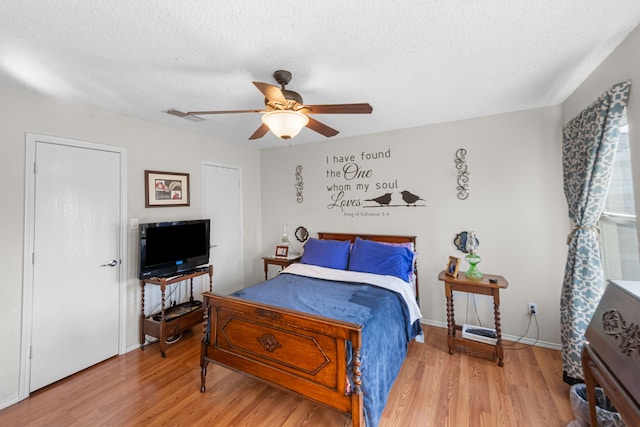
{"x": 170, "y": 248}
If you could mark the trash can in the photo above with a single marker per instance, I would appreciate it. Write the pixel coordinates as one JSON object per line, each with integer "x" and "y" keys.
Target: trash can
{"x": 606, "y": 414}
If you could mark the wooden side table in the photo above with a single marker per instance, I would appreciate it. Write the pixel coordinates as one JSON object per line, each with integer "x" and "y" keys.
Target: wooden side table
{"x": 190, "y": 313}
{"x": 281, "y": 261}
{"x": 475, "y": 286}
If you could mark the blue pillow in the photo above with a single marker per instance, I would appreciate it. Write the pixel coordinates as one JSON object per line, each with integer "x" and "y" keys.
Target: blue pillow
{"x": 326, "y": 253}
{"x": 372, "y": 257}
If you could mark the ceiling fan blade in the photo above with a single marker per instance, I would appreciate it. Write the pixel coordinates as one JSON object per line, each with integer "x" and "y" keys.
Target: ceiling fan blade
{"x": 321, "y": 128}
{"x": 260, "y": 132}
{"x": 271, "y": 92}
{"x": 363, "y": 108}
{"x": 198, "y": 113}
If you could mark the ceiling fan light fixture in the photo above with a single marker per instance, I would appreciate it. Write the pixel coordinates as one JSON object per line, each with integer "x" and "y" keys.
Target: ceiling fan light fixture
{"x": 285, "y": 124}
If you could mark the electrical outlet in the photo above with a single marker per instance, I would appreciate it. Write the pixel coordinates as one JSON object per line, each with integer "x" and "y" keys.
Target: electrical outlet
{"x": 532, "y": 307}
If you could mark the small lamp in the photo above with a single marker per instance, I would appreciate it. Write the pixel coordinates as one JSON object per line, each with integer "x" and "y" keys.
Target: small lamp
{"x": 472, "y": 258}
{"x": 285, "y": 124}
{"x": 285, "y": 236}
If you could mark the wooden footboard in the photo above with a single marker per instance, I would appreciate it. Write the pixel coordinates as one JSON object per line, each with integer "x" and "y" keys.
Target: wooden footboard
{"x": 300, "y": 352}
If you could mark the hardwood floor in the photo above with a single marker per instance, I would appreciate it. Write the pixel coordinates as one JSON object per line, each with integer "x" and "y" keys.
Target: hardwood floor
{"x": 433, "y": 389}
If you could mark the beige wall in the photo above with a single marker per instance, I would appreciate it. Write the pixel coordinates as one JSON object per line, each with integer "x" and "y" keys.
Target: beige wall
{"x": 148, "y": 147}
{"x": 622, "y": 65}
{"x": 516, "y": 205}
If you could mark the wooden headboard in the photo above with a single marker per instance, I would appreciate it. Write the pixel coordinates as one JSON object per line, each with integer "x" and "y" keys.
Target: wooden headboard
{"x": 378, "y": 238}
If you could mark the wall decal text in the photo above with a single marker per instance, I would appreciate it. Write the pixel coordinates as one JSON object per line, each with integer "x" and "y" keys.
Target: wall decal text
{"x": 359, "y": 181}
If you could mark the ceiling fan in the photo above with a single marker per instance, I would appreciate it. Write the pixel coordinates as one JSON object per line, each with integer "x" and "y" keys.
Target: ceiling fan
{"x": 285, "y": 113}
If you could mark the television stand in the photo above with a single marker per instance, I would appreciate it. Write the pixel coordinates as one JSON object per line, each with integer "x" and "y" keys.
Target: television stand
{"x": 172, "y": 321}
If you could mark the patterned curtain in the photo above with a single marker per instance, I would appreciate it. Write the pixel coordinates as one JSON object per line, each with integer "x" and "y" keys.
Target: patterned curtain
{"x": 588, "y": 151}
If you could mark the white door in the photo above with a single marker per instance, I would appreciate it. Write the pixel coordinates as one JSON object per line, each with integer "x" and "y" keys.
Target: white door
{"x": 76, "y": 260}
{"x": 222, "y": 203}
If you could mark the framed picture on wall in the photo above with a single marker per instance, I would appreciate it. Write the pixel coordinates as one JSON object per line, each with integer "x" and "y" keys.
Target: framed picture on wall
{"x": 166, "y": 189}
{"x": 282, "y": 251}
{"x": 452, "y": 266}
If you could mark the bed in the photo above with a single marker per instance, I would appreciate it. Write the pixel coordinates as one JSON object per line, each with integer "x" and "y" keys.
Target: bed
{"x": 335, "y": 333}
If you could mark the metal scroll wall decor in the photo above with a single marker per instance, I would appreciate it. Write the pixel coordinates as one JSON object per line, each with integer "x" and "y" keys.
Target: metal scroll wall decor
{"x": 299, "y": 184}
{"x": 463, "y": 174}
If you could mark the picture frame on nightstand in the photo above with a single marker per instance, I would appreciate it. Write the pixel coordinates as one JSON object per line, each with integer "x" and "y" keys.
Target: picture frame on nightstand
{"x": 452, "y": 266}
{"x": 282, "y": 251}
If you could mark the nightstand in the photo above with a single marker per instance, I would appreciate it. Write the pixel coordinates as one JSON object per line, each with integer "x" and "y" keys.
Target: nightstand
{"x": 281, "y": 261}
{"x": 489, "y": 284}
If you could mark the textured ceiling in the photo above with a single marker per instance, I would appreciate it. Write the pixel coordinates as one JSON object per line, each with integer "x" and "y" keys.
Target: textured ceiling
{"x": 417, "y": 62}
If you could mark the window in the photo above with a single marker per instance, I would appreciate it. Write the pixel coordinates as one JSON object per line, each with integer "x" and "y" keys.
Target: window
{"x": 618, "y": 237}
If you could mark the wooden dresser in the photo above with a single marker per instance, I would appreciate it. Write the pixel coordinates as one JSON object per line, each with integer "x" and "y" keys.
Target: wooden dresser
{"x": 611, "y": 355}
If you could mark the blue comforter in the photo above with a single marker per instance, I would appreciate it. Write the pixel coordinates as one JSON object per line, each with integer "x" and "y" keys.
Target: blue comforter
{"x": 386, "y": 333}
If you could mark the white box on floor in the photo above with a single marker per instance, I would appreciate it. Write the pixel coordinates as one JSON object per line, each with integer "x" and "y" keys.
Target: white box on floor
{"x": 479, "y": 333}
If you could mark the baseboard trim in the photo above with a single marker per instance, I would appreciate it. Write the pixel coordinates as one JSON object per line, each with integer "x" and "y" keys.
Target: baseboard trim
{"x": 9, "y": 400}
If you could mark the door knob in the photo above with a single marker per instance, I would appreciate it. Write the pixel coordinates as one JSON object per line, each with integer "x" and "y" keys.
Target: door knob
{"x": 111, "y": 263}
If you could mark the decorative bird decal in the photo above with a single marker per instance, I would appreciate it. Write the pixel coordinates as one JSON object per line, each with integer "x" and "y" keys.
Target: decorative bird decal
{"x": 383, "y": 200}
{"x": 410, "y": 198}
